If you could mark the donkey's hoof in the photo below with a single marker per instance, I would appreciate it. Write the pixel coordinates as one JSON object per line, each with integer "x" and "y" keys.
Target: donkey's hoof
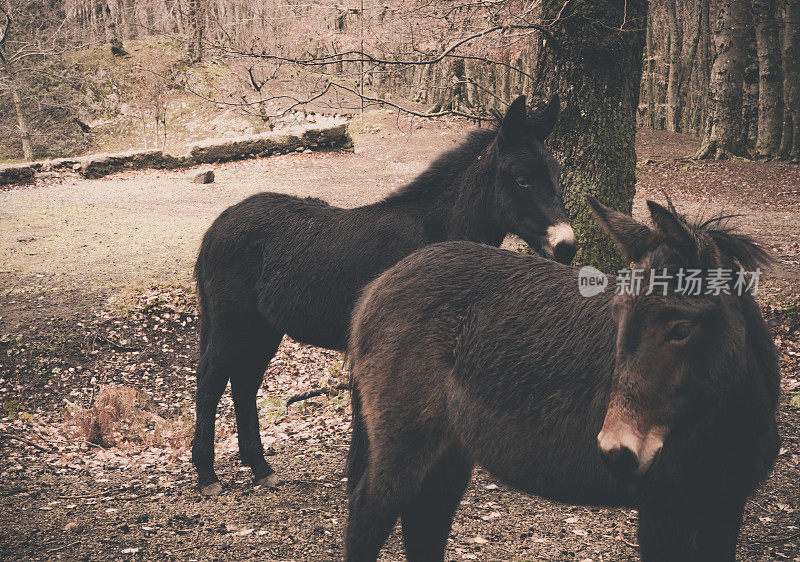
{"x": 212, "y": 489}
{"x": 269, "y": 481}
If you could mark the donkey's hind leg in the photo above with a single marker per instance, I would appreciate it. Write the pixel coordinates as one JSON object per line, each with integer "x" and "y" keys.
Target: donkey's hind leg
{"x": 237, "y": 348}
{"x": 211, "y": 383}
{"x": 428, "y": 517}
{"x": 245, "y": 383}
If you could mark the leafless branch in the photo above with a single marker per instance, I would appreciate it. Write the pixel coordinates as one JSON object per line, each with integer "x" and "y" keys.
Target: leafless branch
{"x": 15, "y": 437}
{"x": 315, "y": 392}
{"x": 411, "y": 111}
{"x": 360, "y": 56}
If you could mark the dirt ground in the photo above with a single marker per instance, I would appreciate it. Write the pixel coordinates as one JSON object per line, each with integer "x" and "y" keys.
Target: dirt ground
{"x": 95, "y": 293}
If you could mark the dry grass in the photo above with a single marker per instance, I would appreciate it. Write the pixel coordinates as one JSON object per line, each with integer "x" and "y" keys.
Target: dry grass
{"x": 120, "y": 415}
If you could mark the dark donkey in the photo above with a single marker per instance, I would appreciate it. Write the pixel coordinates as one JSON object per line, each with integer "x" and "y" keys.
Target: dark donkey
{"x": 275, "y": 264}
{"x": 466, "y": 354}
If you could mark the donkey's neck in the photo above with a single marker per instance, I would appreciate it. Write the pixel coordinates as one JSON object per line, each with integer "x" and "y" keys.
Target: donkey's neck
{"x": 452, "y": 198}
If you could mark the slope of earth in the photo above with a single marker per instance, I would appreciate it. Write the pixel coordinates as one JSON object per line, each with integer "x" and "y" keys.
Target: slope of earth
{"x": 98, "y": 349}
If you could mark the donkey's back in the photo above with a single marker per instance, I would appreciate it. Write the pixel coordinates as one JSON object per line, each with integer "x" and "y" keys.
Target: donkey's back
{"x": 298, "y": 262}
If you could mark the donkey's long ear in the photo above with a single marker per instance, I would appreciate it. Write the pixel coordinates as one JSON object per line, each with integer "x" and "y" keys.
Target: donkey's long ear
{"x": 631, "y": 236}
{"x": 515, "y": 122}
{"x": 671, "y": 226}
{"x": 544, "y": 120}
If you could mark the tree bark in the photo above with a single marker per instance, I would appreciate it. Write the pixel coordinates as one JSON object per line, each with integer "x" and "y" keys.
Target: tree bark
{"x": 594, "y": 63}
{"x": 196, "y": 28}
{"x": 727, "y": 73}
{"x": 686, "y": 67}
{"x": 770, "y": 78}
{"x": 750, "y": 93}
{"x": 705, "y": 66}
{"x": 650, "y": 76}
{"x": 673, "y": 78}
{"x": 790, "y": 141}
{"x": 22, "y": 122}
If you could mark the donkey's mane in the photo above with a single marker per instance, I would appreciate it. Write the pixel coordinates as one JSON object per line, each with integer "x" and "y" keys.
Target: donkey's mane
{"x": 716, "y": 238}
{"x": 437, "y": 177}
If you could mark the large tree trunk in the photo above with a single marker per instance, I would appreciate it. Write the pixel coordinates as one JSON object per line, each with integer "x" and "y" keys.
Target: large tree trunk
{"x": 727, "y": 72}
{"x": 770, "y": 78}
{"x": 594, "y": 62}
{"x": 674, "y": 76}
{"x": 790, "y": 141}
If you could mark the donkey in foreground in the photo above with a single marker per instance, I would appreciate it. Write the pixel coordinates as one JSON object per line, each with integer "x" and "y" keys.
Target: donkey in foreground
{"x": 276, "y": 264}
{"x": 465, "y": 354}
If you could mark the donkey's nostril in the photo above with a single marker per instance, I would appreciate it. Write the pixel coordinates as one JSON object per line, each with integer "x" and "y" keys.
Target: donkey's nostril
{"x": 621, "y": 461}
{"x": 564, "y": 252}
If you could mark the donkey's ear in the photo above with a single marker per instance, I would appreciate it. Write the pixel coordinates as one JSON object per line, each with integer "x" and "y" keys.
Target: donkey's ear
{"x": 513, "y": 127}
{"x": 671, "y": 226}
{"x": 631, "y": 236}
{"x": 544, "y": 120}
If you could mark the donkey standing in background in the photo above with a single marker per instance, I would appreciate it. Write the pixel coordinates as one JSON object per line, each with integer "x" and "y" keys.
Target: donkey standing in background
{"x": 465, "y": 354}
{"x": 276, "y": 264}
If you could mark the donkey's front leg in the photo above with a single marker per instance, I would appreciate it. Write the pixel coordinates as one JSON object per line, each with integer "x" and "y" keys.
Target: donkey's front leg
{"x": 694, "y": 534}
{"x": 372, "y": 514}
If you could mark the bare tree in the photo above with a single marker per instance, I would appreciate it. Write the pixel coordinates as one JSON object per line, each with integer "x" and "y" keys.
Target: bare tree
{"x": 727, "y": 73}
{"x": 7, "y": 60}
{"x": 673, "y": 80}
{"x": 790, "y": 140}
{"x": 650, "y": 75}
{"x": 197, "y": 28}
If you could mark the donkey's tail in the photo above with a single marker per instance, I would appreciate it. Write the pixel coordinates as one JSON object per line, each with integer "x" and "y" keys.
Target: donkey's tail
{"x": 357, "y": 456}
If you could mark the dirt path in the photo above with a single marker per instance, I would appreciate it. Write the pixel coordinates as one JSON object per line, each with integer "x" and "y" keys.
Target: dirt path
{"x": 73, "y": 239}
{"x": 65, "y": 246}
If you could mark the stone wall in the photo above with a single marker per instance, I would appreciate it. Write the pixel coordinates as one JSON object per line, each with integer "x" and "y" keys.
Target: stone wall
{"x": 312, "y": 137}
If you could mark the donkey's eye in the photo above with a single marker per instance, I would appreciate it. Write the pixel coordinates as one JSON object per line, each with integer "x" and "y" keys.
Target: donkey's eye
{"x": 522, "y": 182}
{"x": 679, "y": 332}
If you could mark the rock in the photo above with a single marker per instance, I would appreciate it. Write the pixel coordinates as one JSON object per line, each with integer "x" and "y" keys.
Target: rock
{"x": 307, "y": 151}
{"x": 25, "y": 237}
{"x": 204, "y": 177}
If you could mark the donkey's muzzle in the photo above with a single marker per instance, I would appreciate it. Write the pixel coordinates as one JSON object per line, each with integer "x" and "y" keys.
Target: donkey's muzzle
{"x": 621, "y": 462}
{"x": 563, "y": 252}
{"x": 561, "y": 242}
{"x": 627, "y": 452}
